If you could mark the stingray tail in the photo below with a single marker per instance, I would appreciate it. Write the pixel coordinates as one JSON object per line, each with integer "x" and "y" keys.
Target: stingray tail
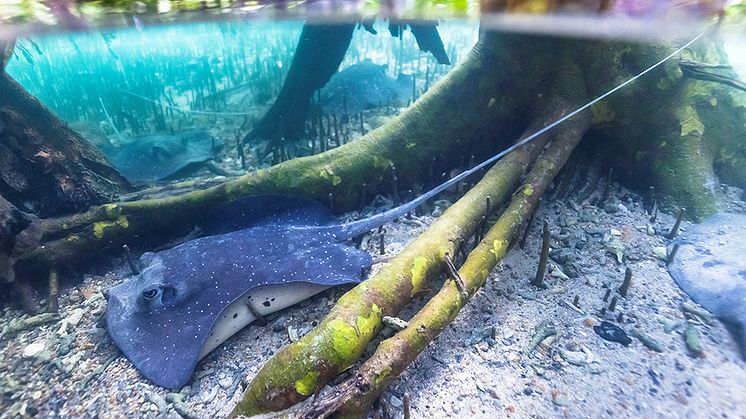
{"x": 359, "y": 227}
{"x": 356, "y": 228}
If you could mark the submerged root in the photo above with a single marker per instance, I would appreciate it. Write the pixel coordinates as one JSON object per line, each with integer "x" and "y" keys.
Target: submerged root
{"x": 355, "y": 396}
{"x": 303, "y": 367}
{"x": 298, "y": 370}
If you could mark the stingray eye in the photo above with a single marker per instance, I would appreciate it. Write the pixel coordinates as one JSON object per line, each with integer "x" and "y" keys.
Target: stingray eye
{"x": 150, "y": 294}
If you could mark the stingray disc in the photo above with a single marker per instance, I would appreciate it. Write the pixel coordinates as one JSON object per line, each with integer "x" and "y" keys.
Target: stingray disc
{"x": 158, "y": 157}
{"x": 188, "y": 299}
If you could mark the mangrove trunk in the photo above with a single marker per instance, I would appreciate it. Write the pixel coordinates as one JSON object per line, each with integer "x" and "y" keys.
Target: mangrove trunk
{"x": 47, "y": 168}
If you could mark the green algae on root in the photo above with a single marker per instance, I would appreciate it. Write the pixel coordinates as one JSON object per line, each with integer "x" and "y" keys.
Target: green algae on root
{"x": 354, "y": 397}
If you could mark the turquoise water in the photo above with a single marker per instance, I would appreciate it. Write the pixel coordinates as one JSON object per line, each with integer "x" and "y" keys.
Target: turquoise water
{"x": 127, "y": 70}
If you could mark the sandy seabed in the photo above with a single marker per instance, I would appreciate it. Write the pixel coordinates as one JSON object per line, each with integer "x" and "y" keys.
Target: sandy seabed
{"x": 482, "y": 365}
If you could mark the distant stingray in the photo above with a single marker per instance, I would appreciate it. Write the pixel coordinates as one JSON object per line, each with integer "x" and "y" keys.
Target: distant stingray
{"x": 710, "y": 266}
{"x": 363, "y": 86}
{"x": 158, "y": 157}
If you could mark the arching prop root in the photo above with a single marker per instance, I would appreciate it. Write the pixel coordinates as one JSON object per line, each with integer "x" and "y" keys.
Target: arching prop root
{"x": 320, "y": 50}
{"x": 303, "y": 367}
{"x": 354, "y": 397}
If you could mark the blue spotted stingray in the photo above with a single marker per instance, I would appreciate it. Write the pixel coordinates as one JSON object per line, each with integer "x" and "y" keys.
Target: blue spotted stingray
{"x": 264, "y": 253}
{"x": 363, "y": 86}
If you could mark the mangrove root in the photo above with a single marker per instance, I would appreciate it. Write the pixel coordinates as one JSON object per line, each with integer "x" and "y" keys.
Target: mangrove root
{"x": 304, "y": 366}
{"x": 320, "y": 50}
{"x": 355, "y": 396}
{"x": 301, "y": 368}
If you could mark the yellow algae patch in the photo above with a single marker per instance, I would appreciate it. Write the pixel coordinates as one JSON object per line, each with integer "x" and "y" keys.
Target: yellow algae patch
{"x": 526, "y": 189}
{"x": 101, "y": 226}
{"x": 307, "y": 385}
{"x": 112, "y": 210}
{"x": 366, "y": 325}
{"x": 690, "y": 123}
{"x": 328, "y": 174}
{"x": 382, "y": 163}
{"x": 383, "y": 374}
{"x": 532, "y": 6}
{"x": 73, "y": 238}
{"x": 344, "y": 338}
{"x": 499, "y": 247}
{"x": 419, "y": 272}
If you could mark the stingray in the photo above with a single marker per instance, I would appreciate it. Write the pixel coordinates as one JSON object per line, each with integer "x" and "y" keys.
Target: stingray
{"x": 710, "y": 266}
{"x": 277, "y": 251}
{"x": 363, "y": 86}
{"x": 158, "y": 157}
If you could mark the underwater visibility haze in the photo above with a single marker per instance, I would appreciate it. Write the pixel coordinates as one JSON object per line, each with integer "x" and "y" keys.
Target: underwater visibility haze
{"x": 416, "y": 212}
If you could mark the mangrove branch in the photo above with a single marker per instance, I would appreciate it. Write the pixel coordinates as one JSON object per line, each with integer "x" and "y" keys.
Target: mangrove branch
{"x": 354, "y": 397}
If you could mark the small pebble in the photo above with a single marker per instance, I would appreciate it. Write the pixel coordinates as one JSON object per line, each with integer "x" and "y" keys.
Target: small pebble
{"x": 75, "y": 317}
{"x": 293, "y": 334}
{"x": 647, "y": 340}
{"x": 33, "y": 349}
{"x": 596, "y": 368}
{"x": 208, "y": 396}
{"x": 693, "y": 341}
{"x": 225, "y": 382}
{"x": 394, "y": 322}
{"x": 573, "y": 358}
{"x": 660, "y": 252}
{"x": 560, "y": 398}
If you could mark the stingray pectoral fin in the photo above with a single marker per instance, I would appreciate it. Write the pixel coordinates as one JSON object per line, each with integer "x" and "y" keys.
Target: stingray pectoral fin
{"x": 265, "y": 209}
{"x": 165, "y": 352}
{"x": 165, "y": 339}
